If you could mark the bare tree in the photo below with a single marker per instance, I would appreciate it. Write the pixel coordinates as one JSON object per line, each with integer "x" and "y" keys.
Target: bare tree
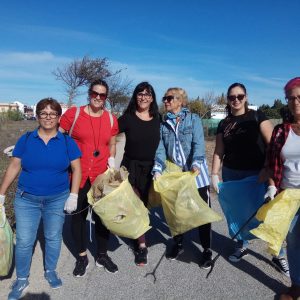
{"x": 81, "y": 72}
{"x": 203, "y": 106}
{"x": 119, "y": 94}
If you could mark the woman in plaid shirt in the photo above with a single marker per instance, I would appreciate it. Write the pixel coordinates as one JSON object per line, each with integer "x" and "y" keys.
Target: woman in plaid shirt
{"x": 284, "y": 163}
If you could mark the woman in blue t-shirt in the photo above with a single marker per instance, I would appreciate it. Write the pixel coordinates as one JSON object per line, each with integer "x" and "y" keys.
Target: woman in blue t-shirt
{"x": 43, "y": 156}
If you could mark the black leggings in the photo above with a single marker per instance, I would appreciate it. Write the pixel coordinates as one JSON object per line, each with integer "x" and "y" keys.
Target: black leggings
{"x": 79, "y": 224}
{"x": 204, "y": 230}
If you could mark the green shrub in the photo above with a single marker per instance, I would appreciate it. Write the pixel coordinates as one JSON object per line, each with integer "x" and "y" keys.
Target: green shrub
{"x": 12, "y": 115}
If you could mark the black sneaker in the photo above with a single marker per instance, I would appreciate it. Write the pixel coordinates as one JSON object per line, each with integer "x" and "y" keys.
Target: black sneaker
{"x": 176, "y": 250}
{"x": 104, "y": 261}
{"x": 281, "y": 265}
{"x": 81, "y": 265}
{"x": 141, "y": 257}
{"x": 238, "y": 254}
{"x": 206, "y": 260}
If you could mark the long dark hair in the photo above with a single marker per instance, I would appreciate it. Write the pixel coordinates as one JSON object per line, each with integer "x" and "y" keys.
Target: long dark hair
{"x": 132, "y": 106}
{"x": 240, "y": 85}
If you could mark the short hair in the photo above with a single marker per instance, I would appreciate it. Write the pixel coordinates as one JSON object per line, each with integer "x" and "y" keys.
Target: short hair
{"x": 42, "y": 104}
{"x": 295, "y": 82}
{"x": 240, "y": 85}
{"x": 98, "y": 82}
{"x": 180, "y": 93}
{"x": 132, "y": 105}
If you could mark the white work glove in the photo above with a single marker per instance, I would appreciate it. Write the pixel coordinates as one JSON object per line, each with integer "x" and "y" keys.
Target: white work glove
{"x": 271, "y": 192}
{"x": 111, "y": 162}
{"x": 156, "y": 175}
{"x": 215, "y": 181}
{"x": 2, "y": 199}
{"x": 71, "y": 203}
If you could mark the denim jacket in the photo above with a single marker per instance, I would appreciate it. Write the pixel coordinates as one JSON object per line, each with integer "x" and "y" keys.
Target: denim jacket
{"x": 191, "y": 137}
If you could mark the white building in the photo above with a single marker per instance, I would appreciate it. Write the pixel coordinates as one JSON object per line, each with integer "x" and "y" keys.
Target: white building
{"x": 218, "y": 111}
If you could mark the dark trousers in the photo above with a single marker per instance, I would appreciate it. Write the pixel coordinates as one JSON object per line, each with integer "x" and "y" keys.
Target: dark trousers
{"x": 79, "y": 224}
{"x": 204, "y": 230}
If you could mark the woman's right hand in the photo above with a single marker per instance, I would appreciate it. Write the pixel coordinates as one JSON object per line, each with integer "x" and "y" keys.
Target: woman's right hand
{"x": 215, "y": 182}
{"x": 156, "y": 175}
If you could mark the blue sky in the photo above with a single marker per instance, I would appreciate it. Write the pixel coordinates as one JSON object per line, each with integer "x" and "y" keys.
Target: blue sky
{"x": 200, "y": 45}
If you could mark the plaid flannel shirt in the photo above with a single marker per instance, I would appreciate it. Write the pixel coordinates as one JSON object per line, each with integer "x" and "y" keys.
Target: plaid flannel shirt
{"x": 279, "y": 136}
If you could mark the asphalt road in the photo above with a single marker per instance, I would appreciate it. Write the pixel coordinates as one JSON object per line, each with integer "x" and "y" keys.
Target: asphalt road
{"x": 251, "y": 278}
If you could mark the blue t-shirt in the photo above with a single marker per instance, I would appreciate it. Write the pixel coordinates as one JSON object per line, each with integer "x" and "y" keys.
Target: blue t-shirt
{"x": 45, "y": 167}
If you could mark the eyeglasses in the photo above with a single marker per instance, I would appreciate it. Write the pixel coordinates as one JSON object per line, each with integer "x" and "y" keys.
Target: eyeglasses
{"x": 146, "y": 95}
{"x": 293, "y": 98}
{"x": 240, "y": 97}
{"x": 94, "y": 94}
{"x": 44, "y": 115}
{"x": 168, "y": 98}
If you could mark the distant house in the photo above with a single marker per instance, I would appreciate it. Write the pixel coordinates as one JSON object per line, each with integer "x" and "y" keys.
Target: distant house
{"x": 218, "y": 111}
{"x": 4, "y": 107}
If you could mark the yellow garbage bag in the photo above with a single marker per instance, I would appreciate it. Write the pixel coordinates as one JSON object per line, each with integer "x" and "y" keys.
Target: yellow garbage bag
{"x": 154, "y": 198}
{"x": 277, "y": 216}
{"x": 121, "y": 211}
{"x": 182, "y": 205}
{"x": 6, "y": 244}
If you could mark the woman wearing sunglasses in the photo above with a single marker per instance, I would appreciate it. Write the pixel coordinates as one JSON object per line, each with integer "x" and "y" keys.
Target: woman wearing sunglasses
{"x": 284, "y": 160}
{"x": 182, "y": 142}
{"x": 240, "y": 142}
{"x": 94, "y": 130}
{"x": 140, "y": 123}
{"x": 43, "y": 192}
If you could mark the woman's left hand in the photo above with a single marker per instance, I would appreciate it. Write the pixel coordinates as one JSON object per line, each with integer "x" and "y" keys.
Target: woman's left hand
{"x": 71, "y": 203}
{"x": 195, "y": 170}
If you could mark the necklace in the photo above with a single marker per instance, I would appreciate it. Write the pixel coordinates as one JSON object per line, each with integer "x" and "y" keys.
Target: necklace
{"x": 96, "y": 151}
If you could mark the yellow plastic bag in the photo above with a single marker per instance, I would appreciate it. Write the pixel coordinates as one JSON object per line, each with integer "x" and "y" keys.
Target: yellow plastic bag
{"x": 6, "y": 244}
{"x": 122, "y": 212}
{"x": 182, "y": 205}
{"x": 277, "y": 216}
{"x": 154, "y": 198}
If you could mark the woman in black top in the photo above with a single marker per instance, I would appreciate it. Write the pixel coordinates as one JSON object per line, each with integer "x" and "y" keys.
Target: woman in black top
{"x": 140, "y": 123}
{"x": 240, "y": 142}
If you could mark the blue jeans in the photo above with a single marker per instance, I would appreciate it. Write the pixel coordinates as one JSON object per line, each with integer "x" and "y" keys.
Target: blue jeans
{"x": 29, "y": 210}
{"x": 230, "y": 175}
{"x": 293, "y": 249}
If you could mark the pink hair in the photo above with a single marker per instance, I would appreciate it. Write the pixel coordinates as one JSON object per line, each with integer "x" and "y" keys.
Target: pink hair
{"x": 295, "y": 82}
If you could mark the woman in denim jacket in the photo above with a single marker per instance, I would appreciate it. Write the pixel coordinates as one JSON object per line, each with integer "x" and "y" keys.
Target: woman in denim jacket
{"x": 182, "y": 142}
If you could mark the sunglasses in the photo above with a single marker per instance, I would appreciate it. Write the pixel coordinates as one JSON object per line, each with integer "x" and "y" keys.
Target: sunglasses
{"x": 293, "y": 98}
{"x": 94, "y": 94}
{"x": 240, "y": 97}
{"x": 167, "y": 98}
{"x": 44, "y": 115}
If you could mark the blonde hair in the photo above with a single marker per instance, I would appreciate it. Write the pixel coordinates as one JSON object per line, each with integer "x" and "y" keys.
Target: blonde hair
{"x": 179, "y": 93}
